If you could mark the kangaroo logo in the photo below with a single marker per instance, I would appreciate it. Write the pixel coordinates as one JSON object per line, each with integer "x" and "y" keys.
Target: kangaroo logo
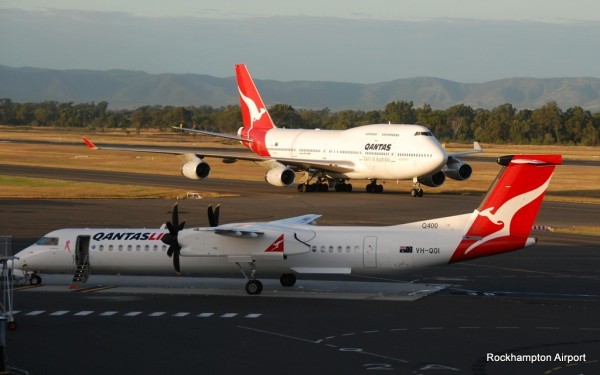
{"x": 255, "y": 112}
{"x": 276, "y": 246}
{"x": 505, "y": 214}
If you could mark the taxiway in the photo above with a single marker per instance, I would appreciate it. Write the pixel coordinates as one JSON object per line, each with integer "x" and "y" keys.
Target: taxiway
{"x": 542, "y": 300}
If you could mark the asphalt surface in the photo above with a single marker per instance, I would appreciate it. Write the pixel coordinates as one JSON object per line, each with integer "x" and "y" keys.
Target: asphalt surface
{"x": 515, "y": 313}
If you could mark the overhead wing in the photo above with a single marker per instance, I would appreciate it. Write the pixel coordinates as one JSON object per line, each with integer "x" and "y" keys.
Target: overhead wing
{"x": 304, "y": 219}
{"x": 338, "y": 166}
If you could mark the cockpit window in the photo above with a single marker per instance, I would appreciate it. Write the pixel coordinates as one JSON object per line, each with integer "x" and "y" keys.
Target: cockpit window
{"x": 47, "y": 241}
{"x": 428, "y": 134}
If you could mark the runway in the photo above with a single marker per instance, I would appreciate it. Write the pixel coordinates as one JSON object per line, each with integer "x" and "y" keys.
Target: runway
{"x": 541, "y": 301}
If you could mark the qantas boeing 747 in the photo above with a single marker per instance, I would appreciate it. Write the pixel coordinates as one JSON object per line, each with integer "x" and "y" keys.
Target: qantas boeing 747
{"x": 328, "y": 158}
{"x": 291, "y": 246}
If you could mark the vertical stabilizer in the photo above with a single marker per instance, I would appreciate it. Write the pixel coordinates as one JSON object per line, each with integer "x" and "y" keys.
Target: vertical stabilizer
{"x": 504, "y": 219}
{"x": 254, "y": 111}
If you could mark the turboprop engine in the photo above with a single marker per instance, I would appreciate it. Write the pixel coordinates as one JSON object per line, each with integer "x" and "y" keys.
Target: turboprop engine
{"x": 280, "y": 176}
{"x": 195, "y": 169}
{"x": 457, "y": 170}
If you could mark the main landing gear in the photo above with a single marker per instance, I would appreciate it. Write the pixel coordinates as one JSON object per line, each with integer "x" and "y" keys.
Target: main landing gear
{"x": 374, "y": 188}
{"x": 255, "y": 287}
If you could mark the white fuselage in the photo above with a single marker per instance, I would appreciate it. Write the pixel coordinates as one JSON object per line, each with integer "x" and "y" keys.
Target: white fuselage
{"x": 307, "y": 249}
{"x": 383, "y": 151}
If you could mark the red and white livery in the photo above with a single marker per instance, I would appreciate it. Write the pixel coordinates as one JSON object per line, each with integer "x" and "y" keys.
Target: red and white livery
{"x": 292, "y": 246}
{"x": 326, "y": 158}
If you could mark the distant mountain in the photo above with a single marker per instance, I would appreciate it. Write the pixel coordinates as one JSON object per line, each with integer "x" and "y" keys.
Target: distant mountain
{"x": 130, "y": 89}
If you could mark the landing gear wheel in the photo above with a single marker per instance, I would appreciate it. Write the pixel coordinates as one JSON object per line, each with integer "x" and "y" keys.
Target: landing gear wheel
{"x": 288, "y": 279}
{"x": 416, "y": 193}
{"x": 254, "y": 287}
{"x": 12, "y": 325}
{"x": 35, "y": 280}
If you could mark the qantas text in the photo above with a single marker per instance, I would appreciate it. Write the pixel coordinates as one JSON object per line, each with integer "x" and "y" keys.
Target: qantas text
{"x": 378, "y": 146}
{"x": 101, "y": 236}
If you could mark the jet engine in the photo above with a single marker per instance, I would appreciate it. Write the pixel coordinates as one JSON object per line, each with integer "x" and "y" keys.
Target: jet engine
{"x": 280, "y": 176}
{"x": 195, "y": 169}
{"x": 457, "y": 170}
{"x": 433, "y": 180}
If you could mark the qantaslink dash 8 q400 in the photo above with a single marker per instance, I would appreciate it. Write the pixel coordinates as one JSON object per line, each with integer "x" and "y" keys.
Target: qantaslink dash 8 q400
{"x": 297, "y": 246}
{"x": 326, "y": 158}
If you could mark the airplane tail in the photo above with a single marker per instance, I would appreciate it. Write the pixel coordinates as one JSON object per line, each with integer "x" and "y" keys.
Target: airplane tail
{"x": 506, "y": 215}
{"x": 254, "y": 111}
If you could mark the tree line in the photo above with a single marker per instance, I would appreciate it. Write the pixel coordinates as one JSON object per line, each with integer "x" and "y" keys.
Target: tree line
{"x": 548, "y": 124}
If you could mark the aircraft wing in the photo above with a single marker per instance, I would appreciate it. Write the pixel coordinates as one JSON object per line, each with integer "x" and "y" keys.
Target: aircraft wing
{"x": 476, "y": 150}
{"x": 213, "y": 134}
{"x": 339, "y": 166}
{"x": 304, "y": 219}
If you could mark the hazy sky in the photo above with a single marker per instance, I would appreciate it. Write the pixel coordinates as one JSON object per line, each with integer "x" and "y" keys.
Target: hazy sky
{"x": 350, "y": 40}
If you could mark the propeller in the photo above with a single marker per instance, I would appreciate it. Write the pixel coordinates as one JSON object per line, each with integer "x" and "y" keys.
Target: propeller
{"x": 171, "y": 238}
{"x": 213, "y": 216}
{"x": 174, "y": 227}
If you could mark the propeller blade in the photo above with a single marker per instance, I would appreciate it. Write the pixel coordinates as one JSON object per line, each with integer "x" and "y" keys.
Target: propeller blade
{"x": 213, "y": 216}
{"x": 176, "y": 261}
{"x": 217, "y": 215}
{"x": 175, "y": 216}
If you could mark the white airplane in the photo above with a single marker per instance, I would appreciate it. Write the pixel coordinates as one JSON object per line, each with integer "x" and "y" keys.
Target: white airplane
{"x": 328, "y": 157}
{"x": 502, "y": 223}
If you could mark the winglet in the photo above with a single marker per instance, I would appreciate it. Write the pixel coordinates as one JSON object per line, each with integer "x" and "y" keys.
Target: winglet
{"x": 477, "y": 147}
{"x": 89, "y": 143}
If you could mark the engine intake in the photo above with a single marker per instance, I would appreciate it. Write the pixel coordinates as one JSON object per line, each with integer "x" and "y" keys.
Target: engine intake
{"x": 195, "y": 169}
{"x": 433, "y": 180}
{"x": 458, "y": 170}
{"x": 280, "y": 176}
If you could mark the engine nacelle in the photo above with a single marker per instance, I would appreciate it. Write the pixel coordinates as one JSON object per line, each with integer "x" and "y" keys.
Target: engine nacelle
{"x": 433, "y": 180}
{"x": 458, "y": 170}
{"x": 280, "y": 176}
{"x": 195, "y": 169}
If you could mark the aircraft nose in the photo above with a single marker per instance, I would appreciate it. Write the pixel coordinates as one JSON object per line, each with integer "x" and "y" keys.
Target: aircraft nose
{"x": 440, "y": 157}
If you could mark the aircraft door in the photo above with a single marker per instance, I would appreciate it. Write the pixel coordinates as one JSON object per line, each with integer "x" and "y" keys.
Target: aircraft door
{"x": 82, "y": 251}
{"x": 370, "y": 252}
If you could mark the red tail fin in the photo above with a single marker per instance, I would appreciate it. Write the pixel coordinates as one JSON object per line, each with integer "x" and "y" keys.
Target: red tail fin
{"x": 504, "y": 219}
{"x": 254, "y": 111}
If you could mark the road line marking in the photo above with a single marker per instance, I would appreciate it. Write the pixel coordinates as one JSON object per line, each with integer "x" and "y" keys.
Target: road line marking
{"x": 133, "y": 313}
{"x": 109, "y": 313}
{"x": 228, "y": 315}
{"x": 181, "y": 314}
{"x": 84, "y": 313}
{"x": 36, "y": 312}
{"x": 158, "y": 313}
{"x": 252, "y": 316}
{"x": 59, "y": 313}
{"x": 205, "y": 315}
